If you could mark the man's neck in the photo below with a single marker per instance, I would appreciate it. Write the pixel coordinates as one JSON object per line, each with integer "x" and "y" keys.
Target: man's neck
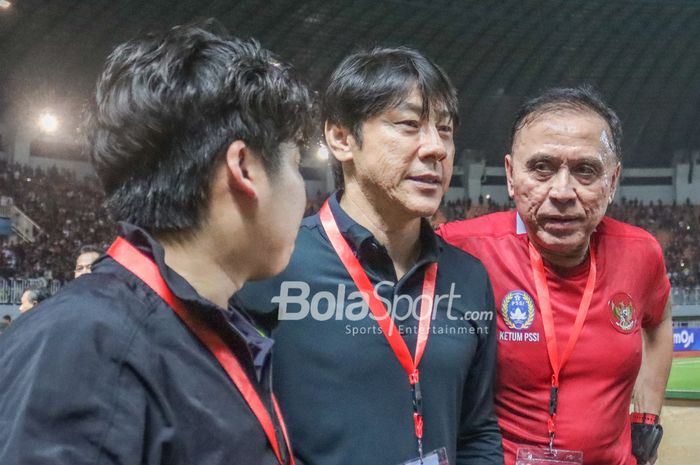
{"x": 564, "y": 263}
{"x": 206, "y": 269}
{"x": 399, "y": 234}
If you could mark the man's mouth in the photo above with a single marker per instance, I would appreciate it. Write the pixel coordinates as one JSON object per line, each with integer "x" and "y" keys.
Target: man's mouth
{"x": 561, "y": 218}
{"x": 560, "y": 222}
{"x": 427, "y": 178}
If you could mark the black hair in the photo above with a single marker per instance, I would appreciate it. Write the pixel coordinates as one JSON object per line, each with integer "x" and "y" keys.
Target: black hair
{"x": 89, "y": 248}
{"x": 167, "y": 107}
{"x": 7, "y": 318}
{"x": 37, "y": 294}
{"x": 367, "y": 83}
{"x": 582, "y": 98}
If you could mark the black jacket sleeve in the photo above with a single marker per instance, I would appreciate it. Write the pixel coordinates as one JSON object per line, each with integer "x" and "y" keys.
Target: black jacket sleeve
{"x": 69, "y": 394}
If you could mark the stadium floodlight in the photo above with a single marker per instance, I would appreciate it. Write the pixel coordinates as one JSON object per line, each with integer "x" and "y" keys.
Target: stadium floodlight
{"x": 48, "y": 122}
{"x": 4, "y": 4}
{"x": 322, "y": 152}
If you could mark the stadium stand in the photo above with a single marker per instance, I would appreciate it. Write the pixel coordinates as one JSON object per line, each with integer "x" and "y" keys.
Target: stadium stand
{"x": 675, "y": 226}
{"x": 69, "y": 211}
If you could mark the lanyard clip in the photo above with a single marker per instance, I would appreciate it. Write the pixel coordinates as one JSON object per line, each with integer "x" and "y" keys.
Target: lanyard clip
{"x": 414, "y": 379}
{"x": 417, "y": 399}
{"x": 418, "y": 425}
{"x": 553, "y": 398}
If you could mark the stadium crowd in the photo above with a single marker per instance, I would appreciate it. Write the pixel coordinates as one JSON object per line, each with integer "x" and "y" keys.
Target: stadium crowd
{"x": 677, "y": 228}
{"x": 69, "y": 211}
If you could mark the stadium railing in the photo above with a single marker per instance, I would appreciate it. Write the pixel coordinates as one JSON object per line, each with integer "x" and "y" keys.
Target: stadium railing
{"x": 685, "y": 295}
{"x": 11, "y": 289}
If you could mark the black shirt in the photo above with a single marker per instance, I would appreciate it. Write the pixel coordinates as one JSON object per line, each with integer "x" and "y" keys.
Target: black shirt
{"x": 105, "y": 372}
{"x": 345, "y": 397}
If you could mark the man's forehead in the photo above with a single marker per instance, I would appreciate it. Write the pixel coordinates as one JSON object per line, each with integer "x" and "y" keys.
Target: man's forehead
{"x": 414, "y": 103}
{"x": 572, "y": 117}
{"x": 87, "y": 256}
{"x": 566, "y": 127}
{"x": 567, "y": 136}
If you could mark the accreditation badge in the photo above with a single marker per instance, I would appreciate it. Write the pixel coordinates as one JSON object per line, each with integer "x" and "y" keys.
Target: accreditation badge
{"x": 540, "y": 456}
{"x": 436, "y": 457}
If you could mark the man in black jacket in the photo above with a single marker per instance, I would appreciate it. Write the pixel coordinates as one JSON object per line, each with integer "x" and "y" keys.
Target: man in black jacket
{"x": 385, "y": 342}
{"x": 195, "y": 137}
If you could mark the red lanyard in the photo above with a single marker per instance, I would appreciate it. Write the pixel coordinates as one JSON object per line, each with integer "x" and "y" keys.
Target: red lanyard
{"x": 145, "y": 269}
{"x": 548, "y": 323}
{"x": 384, "y": 319}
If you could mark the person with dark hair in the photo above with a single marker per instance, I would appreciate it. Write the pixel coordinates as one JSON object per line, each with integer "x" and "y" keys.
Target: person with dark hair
{"x": 584, "y": 299}
{"x": 5, "y": 322}
{"x": 87, "y": 255}
{"x": 384, "y": 334}
{"x": 196, "y": 138}
{"x": 31, "y": 297}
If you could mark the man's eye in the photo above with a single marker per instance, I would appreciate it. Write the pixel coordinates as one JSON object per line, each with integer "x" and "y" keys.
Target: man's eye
{"x": 542, "y": 167}
{"x": 410, "y": 123}
{"x": 444, "y": 128}
{"x": 586, "y": 170}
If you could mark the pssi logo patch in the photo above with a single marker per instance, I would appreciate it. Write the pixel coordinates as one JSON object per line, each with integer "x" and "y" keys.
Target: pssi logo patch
{"x": 623, "y": 315}
{"x": 518, "y": 310}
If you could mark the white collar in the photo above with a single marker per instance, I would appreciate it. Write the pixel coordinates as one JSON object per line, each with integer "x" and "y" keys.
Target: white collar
{"x": 519, "y": 225}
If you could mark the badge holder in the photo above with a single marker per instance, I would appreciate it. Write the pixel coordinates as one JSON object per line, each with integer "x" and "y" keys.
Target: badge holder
{"x": 533, "y": 456}
{"x": 436, "y": 457}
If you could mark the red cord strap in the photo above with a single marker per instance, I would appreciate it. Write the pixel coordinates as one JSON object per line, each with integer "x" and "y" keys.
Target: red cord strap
{"x": 145, "y": 269}
{"x": 382, "y": 316}
{"x": 545, "y": 305}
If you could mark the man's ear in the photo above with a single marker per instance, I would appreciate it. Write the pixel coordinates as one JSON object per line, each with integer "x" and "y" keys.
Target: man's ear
{"x": 340, "y": 141}
{"x": 245, "y": 169}
{"x": 614, "y": 181}
{"x": 508, "y": 161}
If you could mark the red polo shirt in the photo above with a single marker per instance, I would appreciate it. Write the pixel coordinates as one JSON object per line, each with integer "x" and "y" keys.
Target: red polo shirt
{"x": 596, "y": 383}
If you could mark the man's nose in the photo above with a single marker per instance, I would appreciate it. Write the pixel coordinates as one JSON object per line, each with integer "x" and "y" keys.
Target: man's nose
{"x": 431, "y": 144}
{"x": 562, "y": 189}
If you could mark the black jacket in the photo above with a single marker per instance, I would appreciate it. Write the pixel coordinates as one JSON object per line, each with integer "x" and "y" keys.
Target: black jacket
{"x": 105, "y": 373}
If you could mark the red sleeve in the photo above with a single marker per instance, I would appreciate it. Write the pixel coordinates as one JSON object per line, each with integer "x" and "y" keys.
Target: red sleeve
{"x": 658, "y": 288}
{"x": 443, "y": 231}
{"x": 460, "y": 234}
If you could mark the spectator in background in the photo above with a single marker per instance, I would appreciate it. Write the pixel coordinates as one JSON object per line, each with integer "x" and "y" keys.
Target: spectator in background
{"x": 31, "y": 297}
{"x": 86, "y": 257}
{"x": 5, "y": 322}
{"x": 69, "y": 212}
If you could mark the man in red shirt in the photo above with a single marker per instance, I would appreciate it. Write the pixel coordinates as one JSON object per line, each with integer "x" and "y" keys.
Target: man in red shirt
{"x": 583, "y": 299}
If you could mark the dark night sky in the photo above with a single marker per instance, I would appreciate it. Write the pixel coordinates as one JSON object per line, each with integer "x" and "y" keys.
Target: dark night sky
{"x": 641, "y": 55}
